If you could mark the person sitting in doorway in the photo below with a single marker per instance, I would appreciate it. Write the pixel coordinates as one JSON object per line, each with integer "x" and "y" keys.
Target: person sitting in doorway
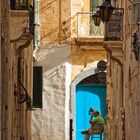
{"x": 97, "y": 125}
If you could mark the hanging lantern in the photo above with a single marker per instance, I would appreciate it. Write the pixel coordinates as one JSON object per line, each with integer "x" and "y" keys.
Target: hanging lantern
{"x": 106, "y": 10}
{"x": 96, "y": 18}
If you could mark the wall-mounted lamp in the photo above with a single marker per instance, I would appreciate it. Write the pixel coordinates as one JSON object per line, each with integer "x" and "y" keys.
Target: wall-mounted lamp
{"x": 106, "y": 10}
{"x": 96, "y": 18}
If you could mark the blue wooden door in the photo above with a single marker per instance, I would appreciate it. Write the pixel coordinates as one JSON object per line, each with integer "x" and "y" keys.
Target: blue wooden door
{"x": 88, "y": 96}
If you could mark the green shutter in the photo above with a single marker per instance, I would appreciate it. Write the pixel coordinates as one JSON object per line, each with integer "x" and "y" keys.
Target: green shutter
{"x": 37, "y": 87}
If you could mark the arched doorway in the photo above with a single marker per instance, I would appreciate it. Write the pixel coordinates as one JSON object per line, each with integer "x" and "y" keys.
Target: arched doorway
{"x": 87, "y": 92}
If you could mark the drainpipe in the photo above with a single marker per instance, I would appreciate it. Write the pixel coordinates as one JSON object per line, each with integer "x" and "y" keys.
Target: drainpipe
{"x": 36, "y": 28}
{"x": 121, "y": 65}
{"x": 36, "y": 23}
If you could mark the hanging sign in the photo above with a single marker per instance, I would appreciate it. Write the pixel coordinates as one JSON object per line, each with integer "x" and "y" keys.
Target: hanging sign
{"x": 114, "y": 28}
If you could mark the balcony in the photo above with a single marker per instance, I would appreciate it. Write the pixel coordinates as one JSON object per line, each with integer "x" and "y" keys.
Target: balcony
{"x": 85, "y": 27}
{"x": 20, "y": 5}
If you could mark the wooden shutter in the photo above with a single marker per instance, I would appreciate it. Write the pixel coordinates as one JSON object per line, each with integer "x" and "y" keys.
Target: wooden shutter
{"x": 37, "y": 87}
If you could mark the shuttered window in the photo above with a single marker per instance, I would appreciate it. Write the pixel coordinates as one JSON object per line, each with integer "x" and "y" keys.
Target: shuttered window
{"x": 37, "y": 87}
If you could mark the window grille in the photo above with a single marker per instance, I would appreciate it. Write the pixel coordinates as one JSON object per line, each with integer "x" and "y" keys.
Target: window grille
{"x": 19, "y": 4}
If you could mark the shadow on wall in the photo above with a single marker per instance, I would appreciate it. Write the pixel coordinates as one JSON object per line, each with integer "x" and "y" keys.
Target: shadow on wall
{"x": 51, "y": 56}
{"x": 44, "y": 8}
{"x": 56, "y": 26}
{"x": 60, "y": 33}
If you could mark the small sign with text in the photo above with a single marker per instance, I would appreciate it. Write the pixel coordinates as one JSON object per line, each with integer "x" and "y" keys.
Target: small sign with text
{"x": 114, "y": 28}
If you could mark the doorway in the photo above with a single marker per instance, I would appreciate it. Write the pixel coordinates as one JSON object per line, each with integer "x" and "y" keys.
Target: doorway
{"x": 88, "y": 96}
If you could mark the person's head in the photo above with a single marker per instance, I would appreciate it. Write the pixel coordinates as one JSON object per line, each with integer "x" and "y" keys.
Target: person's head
{"x": 96, "y": 113}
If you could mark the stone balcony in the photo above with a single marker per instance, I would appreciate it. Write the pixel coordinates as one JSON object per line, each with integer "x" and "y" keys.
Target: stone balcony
{"x": 84, "y": 27}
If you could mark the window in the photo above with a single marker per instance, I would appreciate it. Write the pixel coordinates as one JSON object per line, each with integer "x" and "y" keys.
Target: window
{"x": 94, "y": 4}
{"x": 37, "y": 87}
{"x": 19, "y": 4}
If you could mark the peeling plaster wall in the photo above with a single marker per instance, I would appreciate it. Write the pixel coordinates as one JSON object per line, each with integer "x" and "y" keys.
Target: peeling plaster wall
{"x": 52, "y": 121}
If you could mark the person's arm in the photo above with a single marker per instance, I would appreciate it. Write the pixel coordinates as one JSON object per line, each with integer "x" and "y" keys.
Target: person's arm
{"x": 91, "y": 121}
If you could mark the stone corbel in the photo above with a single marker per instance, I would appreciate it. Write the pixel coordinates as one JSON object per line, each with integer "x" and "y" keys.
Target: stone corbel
{"x": 115, "y": 49}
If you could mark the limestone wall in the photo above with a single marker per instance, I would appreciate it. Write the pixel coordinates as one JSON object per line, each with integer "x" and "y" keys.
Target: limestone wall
{"x": 131, "y": 76}
{"x": 58, "y": 19}
{"x": 123, "y": 85}
{"x": 5, "y": 42}
{"x": 20, "y": 116}
{"x": 84, "y": 56}
{"x": 54, "y": 21}
{"x": 18, "y": 23}
{"x": 15, "y": 116}
{"x": 52, "y": 121}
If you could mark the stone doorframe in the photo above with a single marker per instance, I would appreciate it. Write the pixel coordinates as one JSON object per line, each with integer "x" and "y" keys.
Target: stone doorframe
{"x": 79, "y": 78}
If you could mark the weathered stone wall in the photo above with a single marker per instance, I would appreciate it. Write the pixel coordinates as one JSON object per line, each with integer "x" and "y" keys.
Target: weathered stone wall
{"x": 114, "y": 101}
{"x": 52, "y": 121}
{"x": 19, "y": 122}
{"x": 54, "y": 21}
{"x": 131, "y": 76}
{"x": 15, "y": 116}
{"x": 5, "y": 43}
{"x": 131, "y": 91}
{"x": 18, "y": 17}
{"x": 58, "y": 19}
{"x": 123, "y": 85}
{"x": 84, "y": 56}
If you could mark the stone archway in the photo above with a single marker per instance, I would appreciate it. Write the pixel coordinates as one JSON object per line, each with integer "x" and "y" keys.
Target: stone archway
{"x": 92, "y": 71}
{"x": 79, "y": 78}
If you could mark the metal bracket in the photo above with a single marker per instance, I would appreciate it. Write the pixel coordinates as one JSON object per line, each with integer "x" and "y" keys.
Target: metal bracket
{"x": 24, "y": 96}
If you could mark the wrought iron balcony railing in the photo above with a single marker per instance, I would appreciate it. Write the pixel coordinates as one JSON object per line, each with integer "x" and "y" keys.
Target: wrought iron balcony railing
{"x": 20, "y": 4}
{"x": 86, "y": 26}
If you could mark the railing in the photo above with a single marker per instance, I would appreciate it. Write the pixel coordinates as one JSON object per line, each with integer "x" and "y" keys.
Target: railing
{"x": 20, "y": 4}
{"x": 86, "y": 26}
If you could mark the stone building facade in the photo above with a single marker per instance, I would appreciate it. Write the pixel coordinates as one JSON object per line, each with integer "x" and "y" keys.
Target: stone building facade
{"x": 69, "y": 50}
{"x": 123, "y": 78}
{"x": 16, "y": 73}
